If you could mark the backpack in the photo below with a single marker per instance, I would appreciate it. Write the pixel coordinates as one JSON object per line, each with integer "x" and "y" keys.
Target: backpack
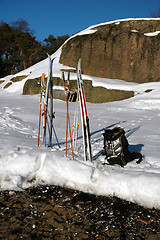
{"x": 116, "y": 147}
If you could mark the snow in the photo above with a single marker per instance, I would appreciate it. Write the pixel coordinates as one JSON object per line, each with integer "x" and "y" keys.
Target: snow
{"x": 152, "y": 34}
{"x": 23, "y": 164}
{"x": 86, "y": 31}
{"x": 134, "y": 31}
{"x": 117, "y": 22}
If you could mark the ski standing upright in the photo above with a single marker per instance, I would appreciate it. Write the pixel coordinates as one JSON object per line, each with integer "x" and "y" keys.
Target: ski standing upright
{"x": 41, "y": 104}
{"x": 84, "y": 116}
{"x": 46, "y": 100}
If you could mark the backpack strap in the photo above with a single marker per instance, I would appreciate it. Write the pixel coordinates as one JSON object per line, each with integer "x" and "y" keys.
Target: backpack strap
{"x": 132, "y": 156}
{"x": 123, "y": 160}
{"x": 116, "y": 159}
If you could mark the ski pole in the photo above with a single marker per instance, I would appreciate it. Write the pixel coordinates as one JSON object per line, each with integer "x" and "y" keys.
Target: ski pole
{"x": 54, "y": 131}
{"x": 68, "y": 120}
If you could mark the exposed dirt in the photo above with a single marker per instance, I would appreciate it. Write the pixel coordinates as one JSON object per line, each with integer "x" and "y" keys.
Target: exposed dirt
{"x": 2, "y": 81}
{"x": 18, "y": 78}
{"x": 8, "y": 85}
{"x": 49, "y": 212}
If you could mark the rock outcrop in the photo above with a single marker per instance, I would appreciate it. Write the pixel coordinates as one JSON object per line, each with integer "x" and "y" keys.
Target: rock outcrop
{"x": 128, "y": 50}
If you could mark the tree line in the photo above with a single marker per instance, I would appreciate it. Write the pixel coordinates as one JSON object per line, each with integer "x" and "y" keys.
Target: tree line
{"x": 19, "y": 48}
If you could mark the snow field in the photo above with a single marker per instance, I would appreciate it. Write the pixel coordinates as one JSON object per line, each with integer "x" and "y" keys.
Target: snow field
{"x": 23, "y": 164}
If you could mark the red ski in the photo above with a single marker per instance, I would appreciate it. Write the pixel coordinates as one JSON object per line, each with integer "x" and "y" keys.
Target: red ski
{"x": 84, "y": 116}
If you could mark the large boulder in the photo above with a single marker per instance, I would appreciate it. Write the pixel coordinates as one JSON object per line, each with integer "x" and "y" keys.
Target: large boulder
{"x": 128, "y": 50}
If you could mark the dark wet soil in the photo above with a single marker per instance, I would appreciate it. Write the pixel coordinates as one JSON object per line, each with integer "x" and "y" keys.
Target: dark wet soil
{"x": 49, "y": 212}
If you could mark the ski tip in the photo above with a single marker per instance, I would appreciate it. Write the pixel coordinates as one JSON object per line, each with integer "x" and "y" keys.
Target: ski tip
{"x": 79, "y": 61}
{"x": 47, "y": 54}
{"x": 79, "y": 65}
{"x": 53, "y": 59}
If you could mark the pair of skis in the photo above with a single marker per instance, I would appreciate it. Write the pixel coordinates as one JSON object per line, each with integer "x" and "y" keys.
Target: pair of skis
{"x": 84, "y": 116}
{"x": 42, "y": 107}
{"x": 46, "y": 101}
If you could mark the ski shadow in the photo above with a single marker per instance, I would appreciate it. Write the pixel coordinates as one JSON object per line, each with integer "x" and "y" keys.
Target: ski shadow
{"x": 102, "y": 129}
{"x": 131, "y": 131}
{"x": 97, "y": 155}
{"x": 62, "y": 143}
{"x": 132, "y": 148}
{"x": 92, "y": 133}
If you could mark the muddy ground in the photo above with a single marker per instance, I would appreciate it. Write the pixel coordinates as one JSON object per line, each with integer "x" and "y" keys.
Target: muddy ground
{"x": 50, "y": 212}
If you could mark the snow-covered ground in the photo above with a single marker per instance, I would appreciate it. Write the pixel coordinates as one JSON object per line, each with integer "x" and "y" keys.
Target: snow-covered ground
{"x": 23, "y": 164}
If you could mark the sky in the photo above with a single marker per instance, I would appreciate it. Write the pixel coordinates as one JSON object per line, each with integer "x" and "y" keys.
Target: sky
{"x": 60, "y": 17}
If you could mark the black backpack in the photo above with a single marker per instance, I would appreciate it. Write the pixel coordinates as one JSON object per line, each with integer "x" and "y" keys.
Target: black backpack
{"x": 116, "y": 147}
